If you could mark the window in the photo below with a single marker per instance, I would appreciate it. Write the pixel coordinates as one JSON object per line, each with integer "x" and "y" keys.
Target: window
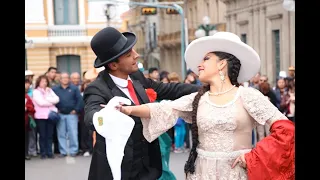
{"x": 66, "y": 12}
{"x": 69, "y": 63}
{"x": 154, "y": 28}
{"x": 244, "y": 38}
{"x": 276, "y": 51}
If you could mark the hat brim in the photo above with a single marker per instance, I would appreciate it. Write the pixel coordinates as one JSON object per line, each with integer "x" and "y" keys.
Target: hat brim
{"x": 132, "y": 39}
{"x": 250, "y": 60}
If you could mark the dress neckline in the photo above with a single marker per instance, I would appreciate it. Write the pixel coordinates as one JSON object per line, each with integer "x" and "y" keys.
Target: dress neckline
{"x": 228, "y": 103}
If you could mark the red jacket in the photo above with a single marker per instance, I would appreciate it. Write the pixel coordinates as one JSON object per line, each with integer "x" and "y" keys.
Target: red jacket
{"x": 30, "y": 111}
{"x": 274, "y": 156}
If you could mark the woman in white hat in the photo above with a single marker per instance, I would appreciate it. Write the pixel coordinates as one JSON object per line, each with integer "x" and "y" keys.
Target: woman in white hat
{"x": 223, "y": 115}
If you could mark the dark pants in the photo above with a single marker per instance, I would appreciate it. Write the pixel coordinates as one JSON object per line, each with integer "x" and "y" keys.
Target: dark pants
{"x": 45, "y": 128}
{"x": 86, "y": 140}
{"x": 291, "y": 119}
{"x": 26, "y": 142}
{"x": 55, "y": 140}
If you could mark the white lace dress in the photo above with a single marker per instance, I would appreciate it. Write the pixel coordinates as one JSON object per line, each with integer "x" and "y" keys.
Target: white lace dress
{"x": 225, "y": 132}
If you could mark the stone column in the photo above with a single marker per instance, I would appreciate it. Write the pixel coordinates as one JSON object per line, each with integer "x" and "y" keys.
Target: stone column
{"x": 228, "y": 17}
{"x": 82, "y": 18}
{"x": 285, "y": 42}
{"x": 250, "y": 29}
{"x": 263, "y": 43}
{"x": 256, "y": 29}
{"x": 292, "y": 38}
{"x": 50, "y": 12}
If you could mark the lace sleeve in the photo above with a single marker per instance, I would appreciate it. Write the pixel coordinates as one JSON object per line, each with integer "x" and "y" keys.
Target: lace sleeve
{"x": 259, "y": 107}
{"x": 164, "y": 115}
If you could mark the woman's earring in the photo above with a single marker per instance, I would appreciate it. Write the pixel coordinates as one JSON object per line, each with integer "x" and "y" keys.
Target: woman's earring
{"x": 222, "y": 77}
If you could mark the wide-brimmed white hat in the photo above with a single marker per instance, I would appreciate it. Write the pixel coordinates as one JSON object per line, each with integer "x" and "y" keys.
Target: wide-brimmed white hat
{"x": 28, "y": 73}
{"x": 224, "y": 42}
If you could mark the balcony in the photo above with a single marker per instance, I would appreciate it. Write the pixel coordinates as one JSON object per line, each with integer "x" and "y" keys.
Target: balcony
{"x": 67, "y": 30}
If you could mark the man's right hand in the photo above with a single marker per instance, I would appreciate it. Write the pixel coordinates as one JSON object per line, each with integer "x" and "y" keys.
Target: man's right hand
{"x": 124, "y": 109}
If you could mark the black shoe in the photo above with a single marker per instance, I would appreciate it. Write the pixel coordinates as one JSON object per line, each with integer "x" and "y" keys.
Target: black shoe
{"x": 51, "y": 156}
{"x": 62, "y": 155}
{"x": 27, "y": 158}
{"x": 43, "y": 157}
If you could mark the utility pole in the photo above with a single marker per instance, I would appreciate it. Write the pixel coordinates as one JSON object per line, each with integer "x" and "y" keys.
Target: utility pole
{"x": 107, "y": 13}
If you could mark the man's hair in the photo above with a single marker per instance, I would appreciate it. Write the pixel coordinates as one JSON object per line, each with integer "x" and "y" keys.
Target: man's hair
{"x": 151, "y": 70}
{"x": 106, "y": 67}
{"x": 50, "y": 68}
{"x": 173, "y": 77}
{"x": 27, "y": 81}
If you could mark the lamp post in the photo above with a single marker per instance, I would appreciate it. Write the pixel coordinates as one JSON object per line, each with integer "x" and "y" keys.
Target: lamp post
{"x": 205, "y": 29}
{"x": 289, "y": 5}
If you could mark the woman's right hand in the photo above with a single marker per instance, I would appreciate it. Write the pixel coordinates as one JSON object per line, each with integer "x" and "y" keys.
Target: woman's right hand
{"x": 124, "y": 109}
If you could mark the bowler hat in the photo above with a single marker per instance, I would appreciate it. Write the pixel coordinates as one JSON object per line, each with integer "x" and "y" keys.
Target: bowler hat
{"x": 109, "y": 44}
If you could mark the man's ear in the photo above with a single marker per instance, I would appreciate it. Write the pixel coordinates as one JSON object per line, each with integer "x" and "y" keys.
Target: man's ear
{"x": 113, "y": 66}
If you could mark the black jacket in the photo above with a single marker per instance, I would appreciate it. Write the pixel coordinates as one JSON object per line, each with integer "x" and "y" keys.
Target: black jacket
{"x": 138, "y": 152}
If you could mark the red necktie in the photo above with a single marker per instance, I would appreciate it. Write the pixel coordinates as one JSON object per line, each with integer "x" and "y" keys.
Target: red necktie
{"x": 133, "y": 93}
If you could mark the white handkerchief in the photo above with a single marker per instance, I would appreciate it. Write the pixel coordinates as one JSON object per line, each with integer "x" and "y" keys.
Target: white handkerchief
{"x": 116, "y": 128}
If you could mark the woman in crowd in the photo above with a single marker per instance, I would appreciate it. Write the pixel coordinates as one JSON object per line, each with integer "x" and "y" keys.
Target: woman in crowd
{"x": 29, "y": 112}
{"x": 44, "y": 101}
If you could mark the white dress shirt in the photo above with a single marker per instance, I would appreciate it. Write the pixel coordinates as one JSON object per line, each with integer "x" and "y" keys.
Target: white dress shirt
{"x": 122, "y": 84}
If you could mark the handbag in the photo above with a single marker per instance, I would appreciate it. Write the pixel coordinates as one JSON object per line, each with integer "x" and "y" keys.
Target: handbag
{"x": 32, "y": 122}
{"x": 53, "y": 117}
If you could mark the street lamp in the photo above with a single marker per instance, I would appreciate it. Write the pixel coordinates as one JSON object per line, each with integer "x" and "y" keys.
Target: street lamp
{"x": 289, "y": 5}
{"x": 205, "y": 29}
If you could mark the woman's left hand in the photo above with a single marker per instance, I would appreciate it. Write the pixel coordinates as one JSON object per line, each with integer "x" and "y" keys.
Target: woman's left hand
{"x": 241, "y": 160}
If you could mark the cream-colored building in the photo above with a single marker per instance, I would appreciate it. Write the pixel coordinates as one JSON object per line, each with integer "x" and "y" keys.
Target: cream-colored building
{"x": 268, "y": 28}
{"x": 61, "y": 31}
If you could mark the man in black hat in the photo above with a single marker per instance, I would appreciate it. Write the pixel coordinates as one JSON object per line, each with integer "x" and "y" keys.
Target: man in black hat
{"x": 121, "y": 77}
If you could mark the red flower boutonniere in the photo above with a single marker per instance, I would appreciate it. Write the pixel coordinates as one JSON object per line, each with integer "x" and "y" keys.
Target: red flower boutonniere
{"x": 152, "y": 95}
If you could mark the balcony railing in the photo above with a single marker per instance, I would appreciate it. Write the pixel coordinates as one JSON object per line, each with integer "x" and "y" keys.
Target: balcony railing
{"x": 67, "y": 30}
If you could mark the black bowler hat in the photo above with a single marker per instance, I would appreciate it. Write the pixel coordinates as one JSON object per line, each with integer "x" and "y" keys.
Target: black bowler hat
{"x": 109, "y": 44}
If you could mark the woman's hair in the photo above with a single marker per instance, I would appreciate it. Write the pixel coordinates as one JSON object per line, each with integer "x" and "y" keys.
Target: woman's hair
{"x": 84, "y": 83}
{"x": 39, "y": 79}
{"x": 265, "y": 88}
{"x": 173, "y": 77}
{"x": 233, "y": 72}
{"x": 164, "y": 74}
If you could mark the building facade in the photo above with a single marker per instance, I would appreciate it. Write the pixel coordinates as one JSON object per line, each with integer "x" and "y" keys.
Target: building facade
{"x": 267, "y": 27}
{"x": 59, "y": 33}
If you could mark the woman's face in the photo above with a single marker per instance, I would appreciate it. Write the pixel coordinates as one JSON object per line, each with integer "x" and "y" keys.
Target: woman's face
{"x": 281, "y": 83}
{"x": 26, "y": 86}
{"x": 208, "y": 68}
{"x": 43, "y": 83}
{"x": 165, "y": 80}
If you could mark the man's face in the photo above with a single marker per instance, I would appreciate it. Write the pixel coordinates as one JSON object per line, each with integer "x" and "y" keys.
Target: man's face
{"x": 75, "y": 78}
{"x": 30, "y": 78}
{"x": 291, "y": 73}
{"x": 154, "y": 75}
{"x": 127, "y": 63}
{"x": 263, "y": 80}
{"x": 27, "y": 86}
{"x": 64, "y": 80}
{"x": 52, "y": 74}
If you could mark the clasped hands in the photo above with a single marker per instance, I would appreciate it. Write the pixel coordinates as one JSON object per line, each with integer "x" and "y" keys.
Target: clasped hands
{"x": 120, "y": 107}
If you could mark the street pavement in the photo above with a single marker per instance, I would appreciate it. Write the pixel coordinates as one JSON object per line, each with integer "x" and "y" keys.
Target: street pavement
{"x": 77, "y": 168}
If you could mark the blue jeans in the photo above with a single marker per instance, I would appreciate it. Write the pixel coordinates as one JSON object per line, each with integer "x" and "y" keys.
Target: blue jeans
{"x": 68, "y": 126}
{"x": 45, "y": 128}
{"x": 180, "y": 134}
